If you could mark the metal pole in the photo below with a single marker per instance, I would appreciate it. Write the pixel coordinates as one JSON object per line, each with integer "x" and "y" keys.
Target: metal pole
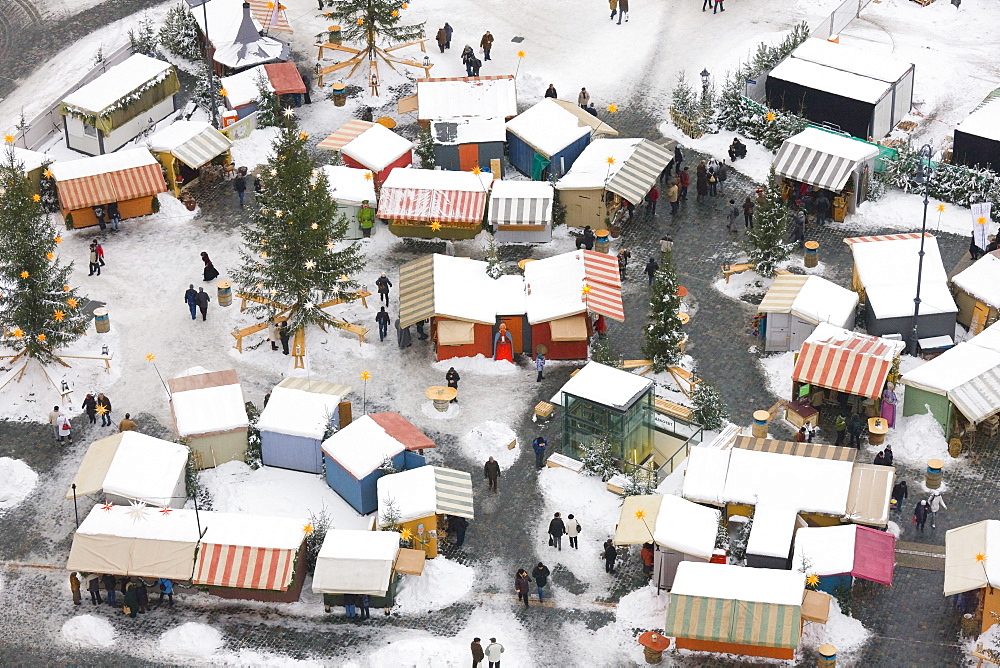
{"x": 76, "y": 511}
{"x": 925, "y": 171}
{"x": 208, "y": 60}
{"x": 197, "y": 517}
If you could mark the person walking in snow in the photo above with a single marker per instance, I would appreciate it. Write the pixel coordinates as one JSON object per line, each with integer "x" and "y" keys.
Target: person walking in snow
{"x": 539, "y": 445}
{"x": 468, "y": 55}
{"x": 855, "y": 427}
{"x": 624, "y": 255}
{"x": 799, "y": 227}
{"x": 115, "y": 215}
{"x": 191, "y": 299}
{"x": 459, "y": 525}
{"x": 541, "y": 573}
{"x": 477, "y": 653}
{"x": 240, "y": 184}
{"x": 732, "y": 215}
{"x": 622, "y": 11}
{"x": 899, "y": 494}
{"x": 572, "y": 531}
{"x": 65, "y": 428}
{"x": 610, "y": 554}
{"x": 203, "y": 300}
{"x": 614, "y": 8}
{"x": 448, "y": 31}
{"x": 713, "y": 177}
{"x": 210, "y": 272}
{"x": 486, "y": 43}
{"x": 166, "y": 588}
{"x": 74, "y": 587}
{"x": 142, "y": 595}
{"x": 105, "y": 403}
{"x": 452, "y": 378}
{"x": 54, "y": 421}
{"x": 95, "y": 267}
{"x": 283, "y": 335}
{"x": 718, "y": 7}
{"x": 495, "y": 650}
{"x": 383, "y": 284}
{"x": 583, "y": 99}
{"x": 678, "y": 159}
{"x": 131, "y": 607}
{"x": 651, "y": 268}
{"x": 822, "y": 204}
{"x": 539, "y": 367}
{"x": 920, "y": 515}
{"x": 935, "y": 502}
{"x": 441, "y": 38}
{"x": 382, "y": 319}
{"x": 491, "y": 471}
{"x": 403, "y": 337}
{"x": 127, "y": 424}
{"x": 840, "y": 425}
{"x": 551, "y": 91}
{"x": 556, "y": 530}
{"x": 651, "y": 197}
{"x": 684, "y": 180}
{"x": 748, "y": 207}
{"x": 701, "y": 182}
{"x": 674, "y": 197}
{"x": 521, "y": 582}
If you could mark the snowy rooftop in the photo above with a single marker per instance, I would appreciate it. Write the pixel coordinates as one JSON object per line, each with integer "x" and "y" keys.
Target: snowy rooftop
{"x": 607, "y": 386}
{"x": 177, "y": 134}
{"x": 686, "y": 527}
{"x": 66, "y": 170}
{"x": 548, "y": 127}
{"x": 464, "y": 291}
{"x": 141, "y": 522}
{"x": 146, "y": 468}
{"x": 377, "y": 147}
{"x": 454, "y": 98}
{"x": 772, "y": 531}
{"x": 356, "y": 562}
{"x": 281, "y": 533}
{"x": 554, "y": 287}
{"x": 824, "y": 550}
{"x": 805, "y": 484}
{"x": 361, "y": 447}
{"x": 262, "y": 50}
{"x": 739, "y": 583}
{"x": 835, "y": 81}
{"x": 355, "y": 544}
{"x": 437, "y": 179}
{"x": 865, "y": 62}
{"x": 117, "y": 82}
{"x": 592, "y": 169}
{"x": 988, "y": 338}
{"x": 29, "y": 159}
{"x": 413, "y": 492}
{"x": 888, "y": 271}
{"x": 832, "y": 143}
{"x": 821, "y": 300}
{"x": 224, "y": 20}
{"x": 954, "y": 367}
{"x": 349, "y": 185}
{"x": 832, "y": 335}
{"x": 509, "y": 189}
{"x": 209, "y": 409}
{"x": 451, "y": 131}
{"x": 983, "y": 122}
{"x": 241, "y": 88}
{"x": 705, "y": 477}
{"x": 982, "y": 279}
{"x": 298, "y": 412}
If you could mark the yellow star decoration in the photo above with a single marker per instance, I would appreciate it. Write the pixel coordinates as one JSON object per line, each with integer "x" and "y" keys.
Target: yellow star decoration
{"x": 310, "y": 264}
{"x": 395, "y": 12}
{"x": 47, "y": 174}
{"x": 303, "y": 135}
{"x": 18, "y": 333}
{"x": 263, "y": 254}
{"x": 521, "y": 54}
{"x": 71, "y": 302}
{"x": 940, "y": 208}
{"x": 812, "y": 580}
{"x": 59, "y": 315}
{"x": 8, "y": 138}
{"x": 101, "y": 410}
{"x": 36, "y": 198}
{"x": 611, "y": 160}
{"x": 435, "y": 226}
{"x": 477, "y": 170}
{"x": 981, "y": 221}
{"x": 770, "y": 116}
{"x": 314, "y": 226}
{"x": 613, "y": 108}
{"x": 41, "y": 337}
{"x": 66, "y": 288}
{"x": 586, "y": 289}
{"x": 406, "y": 534}
{"x": 308, "y": 529}
{"x": 150, "y": 357}
{"x": 404, "y": 5}
{"x": 223, "y": 92}
{"x": 49, "y": 256}
{"x": 981, "y": 557}
{"x": 365, "y": 375}
{"x": 58, "y": 240}
{"x": 25, "y": 274}
{"x": 368, "y": 176}
{"x": 639, "y": 514}
{"x": 361, "y": 22}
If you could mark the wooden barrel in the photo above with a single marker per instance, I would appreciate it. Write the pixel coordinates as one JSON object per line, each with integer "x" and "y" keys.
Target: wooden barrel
{"x": 339, "y": 94}
{"x": 652, "y": 656}
{"x": 827, "y": 656}
{"x": 812, "y": 253}
{"x": 760, "y": 419}
{"x": 225, "y": 293}
{"x": 334, "y": 34}
{"x": 386, "y": 122}
{"x": 932, "y": 478}
{"x": 101, "y": 320}
{"x": 955, "y": 447}
{"x": 603, "y": 241}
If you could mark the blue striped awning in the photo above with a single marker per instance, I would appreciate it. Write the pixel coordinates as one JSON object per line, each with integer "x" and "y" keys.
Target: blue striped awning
{"x": 640, "y": 171}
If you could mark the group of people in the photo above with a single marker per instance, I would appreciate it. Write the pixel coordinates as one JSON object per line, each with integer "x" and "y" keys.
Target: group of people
{"x": 110, "y": 210}
{"x": 491, "y": 653}
{"x": 96, "y": 257}
{"x": 134, "y": 591}
{"x": 570, "y": 527}
{"x": 62, "y": 428}
{"x": 469, "y": 59}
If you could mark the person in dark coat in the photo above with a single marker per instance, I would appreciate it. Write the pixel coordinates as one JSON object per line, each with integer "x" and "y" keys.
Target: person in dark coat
{"x": 364, "y": 601}
{"x": 737, "y": 150}
{"x": 491, "y": 471}
{"x": 822, "y": 205}
{"x": 99, "y": 214}
{"x": 651, "y": 268}
{"x": 591, "y": 109}
{"x": 283, "y": 335}
{"x": 105, "y": 403}
{"x": 115, "y": 215}
{"x": 541, "y": 575}
{"x": 74, "y": 587}
{"x": 468, "y": 56}
{"x": 90, "y": 407}
{"x": 647, "y": 557}
{"x": 486, "y": 43}
{"x": 203, "y": 300}
{"x": 403, "y": 338}
{"x": 240, "y": 184}
{"x": 448, "y": 31}
{"x": 477, "y": 653}
{"x": 521, "y": 582}
{"x": 586, "y": 240}
{"x": 685, "y": 182}
{"x": 441, "y": 38}
{"x": 855, "y": 427}
{"x": 610, "y": 554}
{"x": 351, "y": 605}
{"x": 678, "y": 159}
{"x": 879, "y": 459}
{"x": 383, "y": 283}
{"x": 421, "y": 334}
{"x": 142, "y": 595}
{"x": 722, "y": 173}
{"x": 131, "y": 599}
{"x": 539, "y": 445}
{"x": 748, "y": 207}
{"x": 556, "y": 530}
{"x": 701, "y": 181}
{"x": 458, "y": 525}
{"x": 887, "y": 455}
{"x": 452, "y": 379}
{"x": 899, "y": 494}
{"x": 382, "y": 319}
{"x": 210, "y": 272}
{"x": 476, "y": 64}
{"x": 109, "y": 583}
{"x": 799, "y": 227}
{"x": 551, "y": 91}
{"x": 94, "y": 587}
{"x": 191, "y": 299}
{"x": 622, "y": 11}
{"x": 920, "y": 515}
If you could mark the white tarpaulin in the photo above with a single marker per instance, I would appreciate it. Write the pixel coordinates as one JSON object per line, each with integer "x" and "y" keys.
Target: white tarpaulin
{"x": 980, "y": 223}
{"x": 356, "y": 562}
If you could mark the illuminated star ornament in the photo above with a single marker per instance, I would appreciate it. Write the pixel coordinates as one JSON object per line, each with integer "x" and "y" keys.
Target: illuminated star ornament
{"x": 8, "y": 138}
{"x": 361, "y": 22}
{"x": 166, "y": 511}
{"x": 368, "y": 176}
{"x": 639, "y": 514}
{"x": 940, "y": 208}
{"x": 58, "y": 240}
{"x": 406, "y": 534}
{"x": 25, "y": 274}
{"x": 308, "y": 529}
{"x": 310, "y": 264}
{"x": 71, "y": 302}
{"x": 365, "y": 375}
{"x": 314, "y": 226}
{"x": 586, "y": 291}
{"x": 137, "y": 511}
{"x": 66, "y": 288}
{"x": 101, "y": 410}
{"x": 980, "y": 220}
{"x": 288, "y": 112}
{"x": 47, "y": 174}
{"x": 981, "y": 557}
{"x": 49, "y": 256}
{"x": 223, "y": 92}
{"x": 435, "y": 226}
{"x": 303, "y": 135}
{"x": 36, "y": 198}
{"x": 150, "y": 357}
{"x": 477, "y": 170}
{"x": 613, "y": 108}
{"x": 770, "y": 116}
{"x": 521, "y": 54}
{"x": 812, "y": 580}
{"x": 107, "y": 506}
{"x": 59, "y": 315}
{"x": 18, "y": 333}
{"x": 395, "y": 12}
{"x": 41, "y": 337}
{"x": 611, "y": 160}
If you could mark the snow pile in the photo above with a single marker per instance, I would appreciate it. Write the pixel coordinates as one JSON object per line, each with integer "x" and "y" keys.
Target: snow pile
{"x": 904, "y": 212}
{"x": 427, "y": 408}
{"x": 479, "y": 364}
{"x": 990, "y": 639}
{"x": 615, "y": 644}
{"x": 916, "y": 439}
{"x": 16, "y": 482}
{"x": 442, "y": 583}
{"x": 253, "y": 149}
{"x": 191, "y": 641}
{"x": 845, "y": 633}
{"x": 88, "y": 631}
{"x": 491, "y": 439}
{"x": 743, "y": 284}
{"x": 778, "y": 373}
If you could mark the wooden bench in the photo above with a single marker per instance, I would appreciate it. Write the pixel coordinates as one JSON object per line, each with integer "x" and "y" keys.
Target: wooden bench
{"x": 360, "y": 331}
{"x": 247, "y": 331}
{"x": 299, "y": 348}
{"x": 244, "y": 298}
{"x": 617, "y": 483}
{"x": 92, "y": 356}
{"x": 672, "y": 409}
{"x": 730, "y": 269}
{"x": 634, "y": 364}
{"x": 558, "y": 460}
{"x": 543, "y": 409}
{"x": 683, "y": 376}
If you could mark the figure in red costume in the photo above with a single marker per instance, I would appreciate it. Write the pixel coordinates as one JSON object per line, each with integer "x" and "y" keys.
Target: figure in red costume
{"x": 503, "y": 348}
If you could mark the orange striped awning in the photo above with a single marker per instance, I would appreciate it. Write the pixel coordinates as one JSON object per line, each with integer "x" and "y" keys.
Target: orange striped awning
{"x": 887, "y": 237}
{"x": 263, "y": 11}
{"x": 845, "y": 361}
{"x": 245, "y": 567}
{"x": 137, "y": 182}
{"x": 347, "y": 132}
{"x": 602, "y": 276}
{"x": 86, "y": 192}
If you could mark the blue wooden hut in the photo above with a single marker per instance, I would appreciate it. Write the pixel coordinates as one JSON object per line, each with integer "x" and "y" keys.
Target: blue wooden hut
{"x": 547, "y": 138}
{"x": 296, "y": 419}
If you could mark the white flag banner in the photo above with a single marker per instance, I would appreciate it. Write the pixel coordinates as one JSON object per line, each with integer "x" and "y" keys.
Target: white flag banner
{"x": 980, "y": 223}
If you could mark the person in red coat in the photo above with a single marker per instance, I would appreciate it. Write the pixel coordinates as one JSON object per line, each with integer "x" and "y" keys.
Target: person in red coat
{"x": 651, "y": 197}
{"x": 503, "y": 345}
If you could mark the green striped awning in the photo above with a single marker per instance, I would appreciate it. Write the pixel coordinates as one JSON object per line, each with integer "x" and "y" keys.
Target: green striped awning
{"x": 416, "y": 291}
{"x": 735, "y": 622}
{"x": 453, "y": 490}
{"x": 202, "y": 147}
{"x": 640, "y": 171}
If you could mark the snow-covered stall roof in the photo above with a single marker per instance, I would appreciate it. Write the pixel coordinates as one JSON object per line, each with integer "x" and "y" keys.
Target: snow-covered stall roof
{"x": 241, "y": 88}
{"x": 861, "y": 551}
{"x": 146, "y": 469}
{"x": 807, "y": 484}
{"x": 300, "y": 407}
{"x": 361, "y": 447}
{"x": 253, "y": 530}
{"x": 482, "y": 97}
{"x": 983, "y": 122}
{"x": 118, "y": 82}
{"x": 831, "y": 80}
{"x": 454, "y": 131}
{"x": 349, "y": 185}
{"x": 434, "y": 195}
{"x": 820, "y": 158}
{"x": 607, "y": 386}
{"x": 377, "y": 147}
{"x": 863, "y": 62}
{"x": 249, "y": 551}
{"x": 403, "y": 431}
{"x": 192, "y": 142}
{"x": 810, "y": 298}
{"x": 571, "y": 283}
{"x": 773, "y": 528}
{"x": 952, "y": 368}
{"x": 463, "y": 291}
{"x": 989, "y": 338}
{"x": 592, "y": 170}
{"x": 705, "y": 477}
{"x": 972, "y": 557}
{"x": 30, "y": 160}
{"x": 355, "y": 562}
{"x": 637, "y": 519}
{"x": 686, "y": 527}
{"x": 426, "y": 491}
{"x": 887, "y": 268}
{"x": 120, "y": 161}
{"x": 520, "y": 202}
{"x": 845, "y": 361}
{"x": 738, "y": 583}
{"x": 982, "y": 278}
{"x": 207, "y": 402}
{"x": 641, "y": 170}
{"x": 548, "y": 127}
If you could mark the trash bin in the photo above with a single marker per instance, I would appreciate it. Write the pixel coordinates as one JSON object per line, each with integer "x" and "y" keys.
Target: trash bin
{"x": 933, "y": 476}
{"x": 760, "y": 420}
{"x": 827, "y": 656}
{"x": 225, "y": 293}
{"x": 603, "y": 241}
{"x": 339, "y": 94}
{"x": 333, "y": 34}
{"x": 101, "y": 320}
{"x": 812, "y": 254}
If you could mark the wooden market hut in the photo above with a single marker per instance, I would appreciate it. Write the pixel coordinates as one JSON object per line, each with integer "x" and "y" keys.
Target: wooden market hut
{"x": 131, "y": 467}
{"x": 977, "y": 138}
{"x": 839, "y": 554}
{"x": 364, "y": 563}
{"x": 862, "y": 94}
{"x": 132, "y": 178}
{"x": 236, "y": 34}
{"x": 422, "y": 497}
{"x": 243, "y": 88}
{"x": 379, "y": 150}
{"x": 296, "y": 419}
{"x": 110, "y": 111}
{"x": 977, "y": 293}
{"x": 184, "y": 147}
{"x": 354, "y": 456}
{"x": 885, "y": 275}
{"x": 33, "y": 163}
{"x": 465, "y": 306}
{"x": 547, "y": 138}
{"x": 794, "y": 305}
{"x": 462, "y": 144}
{"x": 521, "y": 211}
{"x": 594, "y": 188}
{"x": 413, "y": 200}
{"x": 349, "y": 187}
{"x": 972, "y": 569}
{"x": 210, "y": 414}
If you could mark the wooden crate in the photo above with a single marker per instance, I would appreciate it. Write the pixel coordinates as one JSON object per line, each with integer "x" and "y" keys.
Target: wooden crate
{"x": 544, "y": 410}
{"x": 558, "y": 460}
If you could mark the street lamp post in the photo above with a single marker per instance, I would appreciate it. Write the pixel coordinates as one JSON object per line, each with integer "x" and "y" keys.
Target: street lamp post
{"x": 921, "y": 176}
{"x": 208, "y": 58}
{"x": 704, "y": 85}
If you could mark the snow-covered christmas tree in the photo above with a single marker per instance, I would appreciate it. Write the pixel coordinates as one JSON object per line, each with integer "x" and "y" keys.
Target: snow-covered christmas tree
{"x": 709, "y": 409}
{"x": 181, "y": 34}
{"x": 368, "y": 21}
{"x": 765, "y": 243}
{"x": 269, "y": 112}
{"x": 494, "y": 268}
{"x": 47, "y": 188}
{"x": 599, "y": 458}
{"x": 40, "y": 312}
{"x": 291, "y": 252}
{"x": 662, "y": 345}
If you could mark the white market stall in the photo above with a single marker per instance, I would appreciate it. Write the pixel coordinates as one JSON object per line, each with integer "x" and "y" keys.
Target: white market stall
{"x": 349, "y": 187}
{"x": 546, "y": 139}
{"x": 977, "y": 138}
{"x": 421, "y": 498}
{"x": 295, "y": 421}
{"x": 977, "y": 293}
{"x": 795, "y": 304}
{"x": 972, "y": 569}
{"x": 521, "y": 211}
{"x": 184, "y": 147}
{"x": 838, "y": 554}
{"x": 237, "y": 35}
{"x": 210, "y": 413}
{"x": 379, "y": 150}
{"x": 363, "y": 563}
{"x": 434, "y": 203}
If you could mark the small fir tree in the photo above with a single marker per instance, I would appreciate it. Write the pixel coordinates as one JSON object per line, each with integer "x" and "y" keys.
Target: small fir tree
{"x": 662, "y": 343}
{"x": 320, "y": 524}
{"x": 722, "y": 533}
{"x": 205, "y": 95}
{"x": 370, "y": 21}
{"x": 686, "y": 110}
{"x": 40, "y": 312}
{"x": 180, "y": 33}
{"x": 638, "y": 482}
{"x": 47, "y": 188}
{"x": 254, "y": 456}
{"x": 765, "y": 242}
{"x": 387, "y": 467}
{"x": 709, "y": 409}
{"x": 425, "y": 149}
{"x": 290, "y": 242}
{"x": 739, "y": 551}
{"x": 269, "y": 111}
{"x": 602, "y": 352}
{"x": 494, "y": 268}
{"x": 599, "y": 458}
{"x": 389, "y": 519}
{"x": 143, "y": 38}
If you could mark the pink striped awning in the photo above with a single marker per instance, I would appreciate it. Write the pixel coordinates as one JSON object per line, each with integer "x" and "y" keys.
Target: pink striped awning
{"x": 347, "y": 132}
{"x": 138, "y": 182}
{"x": 245, "y": 567}
{"x": 856, "y": 363}
{"x": 268, "y": 18}
{"x": 887, "y": 237}
{"x": 602, "y": 277}
{"x": 85, "y": 192}
{"x": 443, "y": 206}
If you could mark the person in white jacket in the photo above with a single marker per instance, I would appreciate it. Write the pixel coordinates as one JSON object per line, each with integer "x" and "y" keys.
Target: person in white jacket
{"x": 64, "y": 428}
{"x": 493, "y": 652}
{"x": 936, "y": 502}
{"x": 572, "y": 531}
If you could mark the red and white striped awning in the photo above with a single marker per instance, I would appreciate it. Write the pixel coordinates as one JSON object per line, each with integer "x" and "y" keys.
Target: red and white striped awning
{"x": 112, "y": 186}
{"x": 263, "y": 11}
{"x": 347, "y": 132}
{"x": 602, "y": 277}
{"x": 443, "y": 206}
{"x": 245, "y": 567}
{"x": 887, "y": 237}
{"x": 845, "y": 361}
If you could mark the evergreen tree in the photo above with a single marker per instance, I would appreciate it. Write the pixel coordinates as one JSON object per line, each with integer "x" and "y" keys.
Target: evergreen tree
{"x": 638, "y": 482}
{"x": 320, "y": 524}
{"x": 494, "y": 269}
{"x": 180, "y": 33}
{"x": 206, "y": 95}
{"x": 765, "y": 242}
{"x": 687, "y": 111}
{"x": 290, "y": 242}
{"x": 39, "y": 311}
{"x": 662, "y": 344}
{"x": 709, "y": 409}
{"x": 143, "y": 38}
{"x": 47, "y": 187}
{"x": 599, "y": 458}
{"x": 722, "y": 533}
{"x": 389, "y": 519}
{"x": 601, "y": 352}
{"x": 269, "y": 112}
{"x": 368, "y": 21}
{"x": 425, "y": 149}
{"x": 254, "y": 456}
